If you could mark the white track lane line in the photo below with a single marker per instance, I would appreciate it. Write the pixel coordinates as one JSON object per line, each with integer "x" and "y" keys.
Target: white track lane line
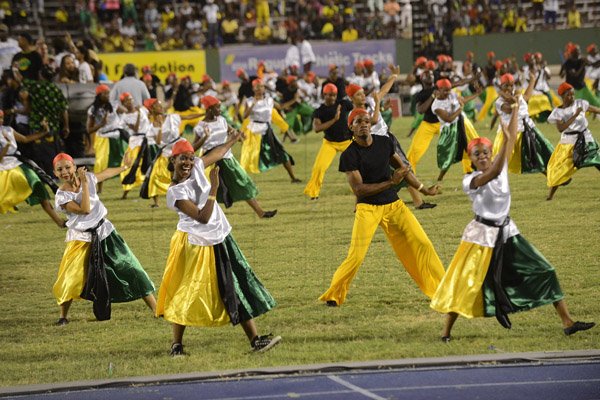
{"x": 355, "y": 388}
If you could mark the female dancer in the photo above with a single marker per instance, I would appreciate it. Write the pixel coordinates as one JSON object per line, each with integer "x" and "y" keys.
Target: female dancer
{"x": 105, "y": 129}
{"x": 234, "y": 182}
{"x": 97, "y": 264}
{"x": 261, "y": 149}
{"x": 577, "y": 147}
{"x": 19, "y": 182}
{"x": 532, "y": 150}
{"x": 495, "y": 271}
{"x": 207, "y": 280}
{"x": 456, "y": 128}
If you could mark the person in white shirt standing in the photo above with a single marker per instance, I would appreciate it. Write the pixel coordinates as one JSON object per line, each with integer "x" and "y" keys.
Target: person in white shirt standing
{"x": 211, "y": 12}
{"x": 8, "y": 48}
{"x": 307, "y": 54}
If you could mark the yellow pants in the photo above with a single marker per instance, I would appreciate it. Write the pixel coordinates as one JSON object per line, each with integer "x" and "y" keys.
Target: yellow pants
{"x": 322, "y": 162}
{"x": 490, "y": 99}
{"x": 420, "y": 143}
{"x": 262, "y": 12}
{"x": 410, "y": 243}
{"x": 514, "y": 160}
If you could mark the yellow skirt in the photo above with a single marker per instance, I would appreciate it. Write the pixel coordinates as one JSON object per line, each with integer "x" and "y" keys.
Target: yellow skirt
{"x": 460, "y": 290}
{"x": 71, "y": 273}
{"x": 560, "y": 166}
{"x": 160, "y": 177}
{"x": 102, "y": 150}
{"x": 490, "y": 98}
{"x": 556, "y": 101}
{"x": 139, "y": 177}
{"x": 537, "y": 104}
{"x": 514, "y": 163}
{"x": 15, "y": 189}
{"x": 189, "y": 293}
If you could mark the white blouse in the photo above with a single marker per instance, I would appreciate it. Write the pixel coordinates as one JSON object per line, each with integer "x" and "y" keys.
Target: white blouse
{"x": 523, "y": 113}
{"x": 217, "y": 136}
{"x": 260, "y": 115}
{"x": 490, "y": 201}
{"x": 380, "y": 128}
{"x": 7, "y": 138}
{"x": 170, "y": 132}
{"x": 78, "y": 223}
{"x": 579, "y": 125}
{"x": 113, "y": 123}
{"x": 145, "y": 128}
{"x": 449, "y": 104}
{"x": 196, "y": 189}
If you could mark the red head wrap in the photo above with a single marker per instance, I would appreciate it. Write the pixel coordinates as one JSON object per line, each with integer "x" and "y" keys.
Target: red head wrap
{"x": 368, "y": 62}
{"x": 209, "y": 101}
{"x": 563, "y": 88}
{"x": 443, "y": 84}
{"x": 102, "y": 89}
{"x": 355, "y": 113}
{"x": 491, "y": 54}
{"x": 352, "y": 89}
{"x": 147, "y": 77}
{"x": 330, "y": 88}
{"x": 148, "y": 103}
{"x": 62, "y": 156}
{"x": 290, "y": 79}
{"x": 359, "y": 64}
{"x": 430, "y": 65}
{"x": 225, "y": 83}
{"x": 182, "y": 146}
{"x": 591, "y": 48}
{"x": 527, "y": 57}
{"x": 123, "y": 96}
{"x": 507, "y": 78}
{"x": 206, "y": 78}
{"x": 480, "y": 140}
{"x": 420, "y": 61}
{"x": 498, "y": 65}
{"x": 240, "y": 72}
{"x": 257, "y": 81}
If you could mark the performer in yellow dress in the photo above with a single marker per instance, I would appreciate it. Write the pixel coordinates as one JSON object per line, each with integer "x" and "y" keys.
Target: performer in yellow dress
{"x": 495, "y": 271}
{"x": 577, "y": 147}
{"x": 97, "y": 264}
{"x": 207, "y": 280}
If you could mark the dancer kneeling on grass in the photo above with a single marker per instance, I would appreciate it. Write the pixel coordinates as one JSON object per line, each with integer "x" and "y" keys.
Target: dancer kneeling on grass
{"x": 495, "y": 271}
{"x": 97, "y": 264}
{"x": 234, "y": 182}
{"x": 20, "y": 181}
{"x": 366, "y": 163}
{"x": 577, "y": 147}
{"x": 207, "y": 280}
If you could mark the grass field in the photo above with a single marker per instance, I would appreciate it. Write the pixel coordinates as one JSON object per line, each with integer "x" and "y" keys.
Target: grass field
{"x": 295, "y": 255}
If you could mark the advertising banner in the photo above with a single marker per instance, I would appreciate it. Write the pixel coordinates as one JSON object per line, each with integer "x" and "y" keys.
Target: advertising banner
{"x": 344, "y": 55}
{"x": 188, "y": 62}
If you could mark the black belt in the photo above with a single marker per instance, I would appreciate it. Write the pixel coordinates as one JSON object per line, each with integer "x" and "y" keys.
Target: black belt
{"x": 494, "y": 274}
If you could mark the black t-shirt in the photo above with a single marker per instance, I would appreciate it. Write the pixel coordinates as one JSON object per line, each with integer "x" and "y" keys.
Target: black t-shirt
{"x": 422, "y": 97}
{"x": 577, "y": 81}
{"x": 373, "y": 163}
{"x": 245, "y": 90}
{"x": 29, "y": 64}
{"x": 340, "y": 84}
{"x": 339, "y": 131}
{"x": 490, "y": 73}
{"x": 287, "y": 94}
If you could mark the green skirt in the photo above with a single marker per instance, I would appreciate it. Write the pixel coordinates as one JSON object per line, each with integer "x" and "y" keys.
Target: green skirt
{"x": 592, "y": 155}
{"x": 235, "y": 184}
{"x": 451, "y": 145}
{"x": 126, "y": 278}
{"x": 527, "y": 277}
{"x": 469, "y": 107}
{"x": 254, "y": 299}
{"x": 586, "y": 94}
{"x": 38, "y": 190}
{"x": 116, "y": 151}
{"x": 536, "y": 150}
{"x": 272, "y": 152}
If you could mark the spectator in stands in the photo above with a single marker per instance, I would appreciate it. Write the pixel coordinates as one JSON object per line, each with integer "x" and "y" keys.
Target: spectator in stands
{"x": 195, "y": 39}
{"x": 230, "y": 28}
{"x": 28, "y": 61}
{"x": 537, "y": 7}
{"x": 128, "y": 30}
{"x": 307, "y": 55}
{"x": 521, "y": 25}
{"x": 550, "y": 13}
{"x": 262, "y": 33}
{"x": 85, "y": 69}
{"x": 8, "y": 48}
{"x": 263, "y": 13}
{"x": 67, "y": 71}
{"x": 573, "y": 17}
{"x": 391, "y": 16}
{"x": 151, "y": 17}
{"x": 211, "y": 12}
{"x": 406, "y": 16}
{"x": 61, "y": 16}
{"x": 509, "y": 22}
{"x": 151, "y": 42}
{"x": 375, "y": 5}
{"x": 130, "y": 84}
{"x": 350, "y": 34}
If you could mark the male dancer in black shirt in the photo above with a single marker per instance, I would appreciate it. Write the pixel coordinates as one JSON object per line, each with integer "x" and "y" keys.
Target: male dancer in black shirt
{"x": 331, "y": 117}
{"x": 366, "y": 163}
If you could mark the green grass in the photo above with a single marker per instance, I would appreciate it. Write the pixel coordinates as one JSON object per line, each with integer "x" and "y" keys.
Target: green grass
{"x": 295, "y": 255}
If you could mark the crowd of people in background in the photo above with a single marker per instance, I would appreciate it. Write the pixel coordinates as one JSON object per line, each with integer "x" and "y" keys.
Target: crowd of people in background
{"x": 125, "y": 25}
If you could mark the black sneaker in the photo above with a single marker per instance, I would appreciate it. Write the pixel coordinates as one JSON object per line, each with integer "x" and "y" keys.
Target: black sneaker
{"x": 176, "y": 350}
{"x": 61, "y": 322}
{"x": 269, "y": 214}
{"x": 446, "y": 339}
{"x": 578, "y": 326}
{"x": 332, "y": 303}
{"x": 425, "y": 206}
{"x": 264, "y": 343}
